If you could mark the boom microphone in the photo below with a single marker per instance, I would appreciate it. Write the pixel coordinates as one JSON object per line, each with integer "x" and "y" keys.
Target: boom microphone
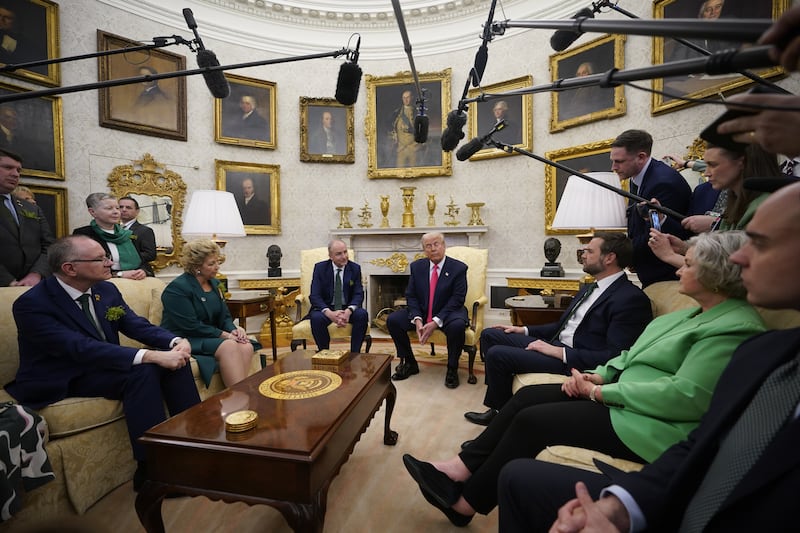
{"x": 215, "y": 80}
{"x": 349, "y": 79}
{"x": 456, "y": 119}
{"x": 477, "y": 143}
{"x": 421, "y": 128}
{"x": 562, "y": 39}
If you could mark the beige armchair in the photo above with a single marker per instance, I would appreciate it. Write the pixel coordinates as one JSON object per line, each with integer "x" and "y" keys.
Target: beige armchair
{"x": 475, "y": 301}
{"x": 301, "y": 331}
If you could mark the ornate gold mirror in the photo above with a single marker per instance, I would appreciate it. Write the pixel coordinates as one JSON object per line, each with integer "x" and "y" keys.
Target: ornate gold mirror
{"x": 160, "y": 194}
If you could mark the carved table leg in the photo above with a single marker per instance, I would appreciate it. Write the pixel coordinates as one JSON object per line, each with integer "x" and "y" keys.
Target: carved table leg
{"x": 305, "y": 517}
{"x": 389, "y": 436}
{"x": 148, "y": 506}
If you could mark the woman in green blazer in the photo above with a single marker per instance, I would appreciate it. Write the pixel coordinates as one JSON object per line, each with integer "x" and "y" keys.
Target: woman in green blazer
{"x": 195, "y": 309}
{"x": 634, "y": 407}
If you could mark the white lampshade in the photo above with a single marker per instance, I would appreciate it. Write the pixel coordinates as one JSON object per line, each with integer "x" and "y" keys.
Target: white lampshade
{"x": 586, "y": 205}
{"x": 214, "y": 214}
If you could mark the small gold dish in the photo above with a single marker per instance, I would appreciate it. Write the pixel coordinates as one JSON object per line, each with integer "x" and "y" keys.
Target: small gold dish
{"x": 241, "y": 421}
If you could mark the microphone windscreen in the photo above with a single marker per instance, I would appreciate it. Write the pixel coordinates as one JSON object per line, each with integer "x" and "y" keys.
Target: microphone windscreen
{"x": 189, "y": 16}
{"x": 480, "y": 65}
{"x": 215, "y": 79}
{"x": 562, "y": 39}
{"x": 469, "y": 149}
{"x": 453, "y": 132}
{"x": 420, "y": 128}
{"x": 348, "y": 83}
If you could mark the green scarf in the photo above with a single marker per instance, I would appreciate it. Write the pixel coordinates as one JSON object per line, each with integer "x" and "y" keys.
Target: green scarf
{"x": 129, "y": 258}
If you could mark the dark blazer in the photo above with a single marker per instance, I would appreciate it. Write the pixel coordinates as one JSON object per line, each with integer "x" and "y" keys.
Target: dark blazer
{"x": 612, "y": 324}
{"x": 24, "y": 247}
{"x": 57, "y": 343}
{"x": 703, "y": 199}
{"x": 665, "y": 184}
{"x": 89, "y": 232}
{"x": 762, "y": 499}
{"x": 322, "y": 286}
{"x": 254, "y": 212}
{"x": 186, "y": 312}
{"x": 451, "y": 290}
{"x": 145, "y": 243}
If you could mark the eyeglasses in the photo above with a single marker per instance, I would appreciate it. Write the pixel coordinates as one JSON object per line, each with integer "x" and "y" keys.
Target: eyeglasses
{"x": 105, "y": 259}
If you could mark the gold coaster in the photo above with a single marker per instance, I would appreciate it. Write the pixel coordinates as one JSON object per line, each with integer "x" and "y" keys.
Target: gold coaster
{"x": 241, "y": 421}
{"x": 300, "y": 384}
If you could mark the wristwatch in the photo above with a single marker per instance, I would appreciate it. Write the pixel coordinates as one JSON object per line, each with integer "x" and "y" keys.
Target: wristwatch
{"x": 593, "y": 392}
{"x": 119, "y": 273}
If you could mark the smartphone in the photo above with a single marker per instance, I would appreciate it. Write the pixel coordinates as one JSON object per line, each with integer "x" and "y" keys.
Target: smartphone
{"x": 655, "y": 220}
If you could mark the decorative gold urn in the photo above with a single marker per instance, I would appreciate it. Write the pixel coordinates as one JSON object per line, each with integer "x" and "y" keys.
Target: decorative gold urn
{"x": 385, "y": 211}
{"x": 408, "y": 206}
{"x": 431, "y": 209}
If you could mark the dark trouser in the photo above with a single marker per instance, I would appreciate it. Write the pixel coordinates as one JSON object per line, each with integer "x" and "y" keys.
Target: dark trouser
{"x": 143, "y": 390}
{"x": 399, "y": 324}
{"x": 531, "y": 492}
{"x": 536, "y": 417}
{"x": 322, "y": 338}
{"x": 505, "y": 357}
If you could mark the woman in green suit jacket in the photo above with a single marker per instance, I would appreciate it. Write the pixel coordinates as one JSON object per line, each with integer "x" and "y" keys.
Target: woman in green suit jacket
{"x": 195, "y": 309}
{"x": 634, "y": 407}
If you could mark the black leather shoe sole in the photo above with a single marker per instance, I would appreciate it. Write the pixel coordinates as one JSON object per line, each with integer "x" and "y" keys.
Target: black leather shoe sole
{"x": 456, "y": 518}
{"x": 466, "y": 443}
{"x": 438, "y": 486}
{"x": 482, "y": 419}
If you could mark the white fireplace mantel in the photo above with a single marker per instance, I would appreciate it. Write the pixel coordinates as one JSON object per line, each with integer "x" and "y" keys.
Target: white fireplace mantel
{"x": 385, "y": 239}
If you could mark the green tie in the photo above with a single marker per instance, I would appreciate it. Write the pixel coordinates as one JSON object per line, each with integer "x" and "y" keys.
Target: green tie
{"x": 84, "y": 301}
{"x": 338, "y": 299}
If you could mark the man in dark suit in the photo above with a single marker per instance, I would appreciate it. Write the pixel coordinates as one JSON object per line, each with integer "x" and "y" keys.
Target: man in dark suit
{"x": 253, "y": 209}
{"x": 435, "y": 297}
{"x": 144, "y": 239}
{"x": 24, "y": 232}
{"x": 650, "y": 179}
{"x": 249, "y": 124}
{"x": 327, "y": 138}
{"x": 671, "y": 494}
{"x": 598, "y": 325}
{"x": 337, "y": 270}
{"x": 64, "y": 353}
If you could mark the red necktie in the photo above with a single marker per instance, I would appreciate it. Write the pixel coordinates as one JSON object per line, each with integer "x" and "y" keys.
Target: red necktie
{"x": 434, "y": 281}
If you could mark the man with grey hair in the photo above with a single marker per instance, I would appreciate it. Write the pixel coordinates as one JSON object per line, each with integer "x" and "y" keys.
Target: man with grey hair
{"x": 435, "y": 297}
{"x": 250, "y": 124}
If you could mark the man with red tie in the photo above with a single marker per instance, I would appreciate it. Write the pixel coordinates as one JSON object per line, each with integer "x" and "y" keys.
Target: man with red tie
{"x": 435, "y": 297}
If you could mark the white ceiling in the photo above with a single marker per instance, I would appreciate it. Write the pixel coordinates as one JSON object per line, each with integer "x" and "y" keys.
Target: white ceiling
{"x": 292, "y": 27}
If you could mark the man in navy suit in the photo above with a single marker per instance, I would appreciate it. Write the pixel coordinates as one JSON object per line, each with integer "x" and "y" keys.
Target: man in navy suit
{"x": 665, "y": 494}
{"x": 650, "y": 179}
{"x": 325, "y": 310}
{"x": 591, "y": 331}
{"x": 63, "y": 353}
{"x": 428, "y": 310}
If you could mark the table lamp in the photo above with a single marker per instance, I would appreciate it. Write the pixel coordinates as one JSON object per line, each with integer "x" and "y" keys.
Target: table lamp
{"x": 214, "y": 214}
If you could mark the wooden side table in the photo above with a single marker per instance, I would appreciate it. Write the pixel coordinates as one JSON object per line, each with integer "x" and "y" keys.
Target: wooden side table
{"x": 244, "y": 306}
{"x": 571, "y": 283}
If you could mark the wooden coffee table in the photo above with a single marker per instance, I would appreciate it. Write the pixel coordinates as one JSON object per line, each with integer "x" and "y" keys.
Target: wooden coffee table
{"x": 288, "y": 461}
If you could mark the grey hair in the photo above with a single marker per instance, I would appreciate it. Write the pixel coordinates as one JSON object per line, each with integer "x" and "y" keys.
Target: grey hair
{"x": 715, "y": 271}
{"x": 62, "y": 250}
{"x": 432, "y": 235}
{"x": 94, "y": 199}
{"x": 334, "y": 241}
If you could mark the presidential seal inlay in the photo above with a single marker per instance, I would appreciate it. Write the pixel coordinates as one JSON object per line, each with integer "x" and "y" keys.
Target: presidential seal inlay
{"x": 300, "y": 384}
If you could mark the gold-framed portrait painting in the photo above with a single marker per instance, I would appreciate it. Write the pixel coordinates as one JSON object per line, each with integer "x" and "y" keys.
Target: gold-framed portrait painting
{"x": 53, "y": 202}
{"x": 247, "y": 116}
{"x": 28, "y": 33}
{"x": 256, "y": 188}
{"x": 573, "y": 107}
{"x": 592, "y": 157}
{"x": 33, "y": 130}
{"x": 157, "y": 107}
{"x": 326, "y": 131}
{"x": 516, "y": 111}
{"x": 389, "y": 125}
{"x": 666, "y": 50}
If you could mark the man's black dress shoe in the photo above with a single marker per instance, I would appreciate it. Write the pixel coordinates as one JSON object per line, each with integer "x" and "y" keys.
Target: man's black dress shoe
{"x": 482, "y": 419}
{"x": 466, "y": 443}
{"x": 451, "y": 379}
{"x": 456, "y": 518}
{"x": 404, "y": 370}
{"x": 438, "y": 486}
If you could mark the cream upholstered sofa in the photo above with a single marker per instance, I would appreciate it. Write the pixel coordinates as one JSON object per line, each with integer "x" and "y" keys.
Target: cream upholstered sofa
{"x": 88, "y": 443}
{"x": 664, "y": 298}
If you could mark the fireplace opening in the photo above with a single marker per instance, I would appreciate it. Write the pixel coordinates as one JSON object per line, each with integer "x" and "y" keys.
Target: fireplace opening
{"x": 386, "y": 294}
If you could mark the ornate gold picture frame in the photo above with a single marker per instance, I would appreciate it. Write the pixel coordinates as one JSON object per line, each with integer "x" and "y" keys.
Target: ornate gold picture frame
{"x": 592, "y": 157}
{"x": 34, "y": 132}
{"x": 156, "y": 108}
{"x": 574, "y": 107}
{"x": 256, "y": 188}
{"x": 53, "y": 201}
{"x": 248, "y": 116}
{"x": 326, "y": 131}
{"x": 161, "y": 194}
{"x": 517, "y": 111}
{"x": 702, "y": 85}
{"x": 392, "y": 151}
{"x": 32, "y": 35}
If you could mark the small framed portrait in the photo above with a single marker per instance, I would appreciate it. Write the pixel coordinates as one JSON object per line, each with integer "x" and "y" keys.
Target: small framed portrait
{"x": 666, "y": 50}
{"x": 573, "y": 107}
{"x": 592, "y": 157}
{"x": 156, "y": 107}
{"x": 247, "y": 116}
{"x": 256, "y": 188}
{"x": 53, "y": 202}
{"x": 326, "y": 131}
{"x": 389, "y": 125}
{"x": 516, "y": 111}
{"x": 29, "y": 32}
{"x": 33, "y": 130}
